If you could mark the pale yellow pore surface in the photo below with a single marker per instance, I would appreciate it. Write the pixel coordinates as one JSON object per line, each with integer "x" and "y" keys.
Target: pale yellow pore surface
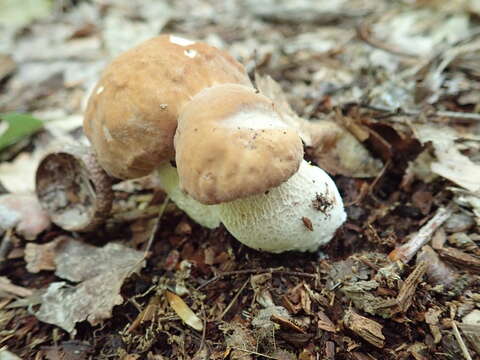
{"x": 231, "y": 143}
{"x": 132, "y": 113}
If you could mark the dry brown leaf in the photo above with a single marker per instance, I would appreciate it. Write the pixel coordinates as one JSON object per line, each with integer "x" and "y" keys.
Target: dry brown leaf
{"x": 338, "y": 152}
{"x": 18, "y": 176}
{"x": 184, "y": 311}
{"x": 451, "y": 163}
{"x": 102, "y": 270}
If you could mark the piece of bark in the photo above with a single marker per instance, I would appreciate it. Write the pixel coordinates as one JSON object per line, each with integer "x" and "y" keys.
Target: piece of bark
{"x": 461, "y": 259}
{"x": 325, "y": 323}
{"x": 407, "y": 291}
{"x": 366, "y": 328}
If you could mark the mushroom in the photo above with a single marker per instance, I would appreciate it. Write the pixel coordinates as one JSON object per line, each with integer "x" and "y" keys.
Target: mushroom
{"x": 132, "y": 112}
{"x": 233, "y": 149}
{"x": 238, "y": 161}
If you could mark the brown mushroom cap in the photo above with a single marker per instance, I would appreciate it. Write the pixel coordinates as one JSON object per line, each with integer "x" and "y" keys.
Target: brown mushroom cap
{"x": 132, "y": 113}
{"x": 231, "y": 143}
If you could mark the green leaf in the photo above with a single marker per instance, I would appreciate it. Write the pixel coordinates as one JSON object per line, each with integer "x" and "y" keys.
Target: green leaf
{"x": 15, "y": 127}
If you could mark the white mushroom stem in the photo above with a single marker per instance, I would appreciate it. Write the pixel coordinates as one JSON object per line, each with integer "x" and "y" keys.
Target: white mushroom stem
{"x": 301, "y": 214}
{"x": 205, "y": 215}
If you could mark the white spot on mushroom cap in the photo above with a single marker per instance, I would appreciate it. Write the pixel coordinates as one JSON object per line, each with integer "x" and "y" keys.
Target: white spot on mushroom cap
{"x": 273, "y": 221}
{"x": 100, "y": 90}
{"x": 255, "y": 120}
{"x": 190, "y": 53}
{"x": 180, "y": 41}
{"x": 107, "y": 134}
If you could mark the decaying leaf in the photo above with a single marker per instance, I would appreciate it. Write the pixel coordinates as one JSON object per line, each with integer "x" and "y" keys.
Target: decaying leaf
{"x": 329, "y": 144}
{"x": 184, "y": 311}
{"x": 22, "y": 167}
{"x": 451, "y": 163}
{"x": 24, "y": 213}
{"x": 338, "y": 152}
{"x": 102, "y": 272}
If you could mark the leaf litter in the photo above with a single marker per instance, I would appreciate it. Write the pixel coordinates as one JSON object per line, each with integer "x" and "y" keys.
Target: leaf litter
{"x": 385, "y": 96}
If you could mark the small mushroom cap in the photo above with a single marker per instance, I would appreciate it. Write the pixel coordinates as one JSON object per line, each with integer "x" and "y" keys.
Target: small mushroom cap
{"x": 231, "y": 143}
{"x": 132, "y": 113}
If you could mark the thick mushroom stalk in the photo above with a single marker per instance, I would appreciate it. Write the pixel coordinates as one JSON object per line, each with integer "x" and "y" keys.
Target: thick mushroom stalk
{"x": 301, "y": 214}
{"x": 205, "y": 215}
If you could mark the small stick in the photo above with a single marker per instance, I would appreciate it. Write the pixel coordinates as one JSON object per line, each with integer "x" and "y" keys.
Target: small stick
{"x": 460, "y": 341}
{"x": 408, "y": 250}
{"x": 256, "y": 271}
{"x": 155, "y": 227}
{"x": 252, "y": 352}
{"x": 412, "y": 112}
{"x": 233, "y": 300}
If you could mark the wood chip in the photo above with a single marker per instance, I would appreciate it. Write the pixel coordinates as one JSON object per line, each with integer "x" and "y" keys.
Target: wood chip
{"x": 461, "y": 259}
{"x": 366, "y": 328}
{"x": 286, "y": 323}
{"x": 405, "y": 295}
{"x": 325, "y": 323}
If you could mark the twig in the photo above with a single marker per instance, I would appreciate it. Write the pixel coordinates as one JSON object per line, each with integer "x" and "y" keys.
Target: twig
{"x": 412, "y": 112}
{"x": 406, "y": 252}
{"x": 460, "y": 341}
{"x": 279, "y": 271}
{"x": 234, "y": 299}
{"x": 204, "y": 331}
{"x": 252, "y": 352}
{"x": 363, "y": 33}
{"x": 155, "y": 227}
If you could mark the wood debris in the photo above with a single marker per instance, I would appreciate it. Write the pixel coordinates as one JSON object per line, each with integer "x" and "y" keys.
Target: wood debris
{"x": 366, "y": 328}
